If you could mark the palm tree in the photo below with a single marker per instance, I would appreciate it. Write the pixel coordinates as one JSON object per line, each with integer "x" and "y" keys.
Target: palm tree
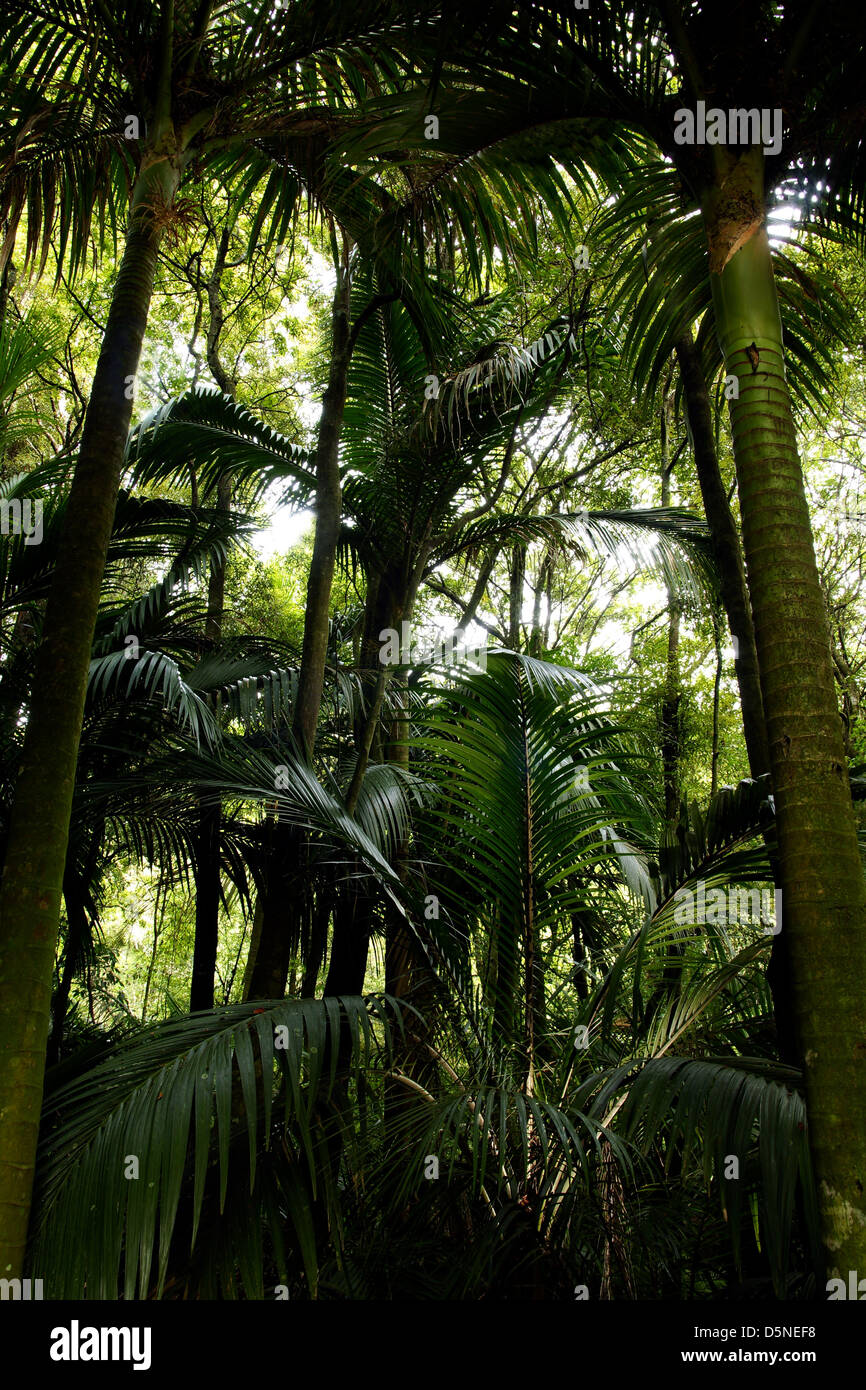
{"x": 604, "y": 93}
{"x": 206, "y": 87}
{"x": 131, "y": 702}
{"x": 541, "y": 1141}
{"x": 820, "y": 870}
{"x": 408, "y": 470}
{"x": 655, "y": 323}
{"x": 524, "y": 1118}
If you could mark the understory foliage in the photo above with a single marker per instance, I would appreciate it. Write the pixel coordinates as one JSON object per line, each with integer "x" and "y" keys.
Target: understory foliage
{"x": 284, "y": 1143}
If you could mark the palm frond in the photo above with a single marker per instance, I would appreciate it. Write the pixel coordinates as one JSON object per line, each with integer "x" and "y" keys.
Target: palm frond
{"x": 205, "y": 431}
{"x": 160, "y": 1118}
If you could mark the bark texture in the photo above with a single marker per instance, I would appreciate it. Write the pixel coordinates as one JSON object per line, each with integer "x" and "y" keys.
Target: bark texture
{"x": 34, "y": 867}
{"x": 823, "y": 889}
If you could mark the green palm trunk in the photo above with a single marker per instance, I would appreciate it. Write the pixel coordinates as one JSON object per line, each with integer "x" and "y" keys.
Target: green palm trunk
{"x": 823, "y": 889}
{"x": 311, "y": 677}
{"x": 33, "y": 872}
{"x": 286, "y": 869}
{"x": 727, "y": 550}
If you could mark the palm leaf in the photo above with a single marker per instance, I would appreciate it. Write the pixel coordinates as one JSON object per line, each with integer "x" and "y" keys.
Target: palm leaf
{"x": 176, "y": 1097}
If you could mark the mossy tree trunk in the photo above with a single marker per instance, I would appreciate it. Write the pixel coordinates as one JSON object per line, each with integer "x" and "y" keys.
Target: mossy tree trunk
{"x": 33, "y": 873}
{"x": 821, "y": 876}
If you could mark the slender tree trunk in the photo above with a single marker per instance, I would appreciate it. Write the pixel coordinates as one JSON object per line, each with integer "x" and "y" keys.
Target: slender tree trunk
{"x": 505, "y": 979}
{"x": 672, "y": 698}
{"x": 549, "y": 603}
{"x": 281, "y": 912}
{"x": 737, "y": 604}
{"x": 583, "y": 935}
{"x": 252, "y": 954}
{"x": 370, "y": 727}
{"x": 158, "y": 928}
{"x": 402, "y": 978}
{"x": 353, "y": 907}
{"x": 670, "y": 720}
{"x": 271, "y": 966}
{"x": 533, "y": 963}
{"x": 537, "y": 637}
{"x": 318, "y": 945}
{"x": 76, "y": 936}
{"x": 717, "y": 687}
{"x": 328, "y": 516}
{"x": 7, "y": 283}
{"x": 727, "y": 551}
{"x": 36, "y": 855}
{"x": 407, "y": 974}
{"x": 848, "y": 688}
{"x": 216, "y": 320}
{"x": 208, "y": 856}
{"x": 515, "y": 596}
{"x": 207, "y": 906}
{"x": 348, "y": 964}
{"x": 476, "y": 598}
{"x": 823, "y": 888}
{"x": 216, "y": 589}
{"x": 208, "y": 877}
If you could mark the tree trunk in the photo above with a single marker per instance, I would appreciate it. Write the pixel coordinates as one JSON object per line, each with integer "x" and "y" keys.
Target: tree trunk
{"x": 515, "y": 596}
{"x": 717, "y": 689}
{"x": 848, "y": 688}
{"x": 252, "y": 954}
{"x": 36, "y": 855}
{"x": 533, "y": 961}
{"x": 824, "y": 894}
{"x": 407, "y": 974}
{"x": 271, "y": 966}
{"x": 208, "y": 865}
{"x": 537, "y": 638}
{"x": 208, "y": 876}
{"x": 737, "y": 604}
{"x": 353, "y": 907}
{"x": 672, "y": 698}
{"x": 216, "y": 589}
{"x": 476, "y": 598}
{"x": 727, "y": 551}
{"x": 76, "y": 936}
{"x": 328, "y": 515}
{"x": 584, "y": 939}
{"x": 348, "y": 964}
{"x": 281, "y": 912}
{"x": 75, "y": 894}
{"x": 207, "y": 906}
{"x": 318, "y": 944}
{"x": 670, "y": 720}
